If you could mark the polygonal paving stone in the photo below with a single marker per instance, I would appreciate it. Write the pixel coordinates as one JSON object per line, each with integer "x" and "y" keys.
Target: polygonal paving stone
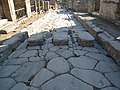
{"x": 33, "y": 47}
{"x": 67, "y": 54}
{"x": 33, "y": 88}
{"x": 8, "y": 70}
{"x": 92, "y": 77}
{"x": 114, "y": 78}
{"x": 17, "y": 53}
{"x": 17, "y": 61}
{"x": 41, "y": 77}
{"x": 55, "y": 48}
{"x": 66, "y": 82}
{"x": 110, "y": 88}
{"x": 51, "y": 55}
{"x": 85, "y": 39}
{"x": 34, "y": 59}
{"x": 6, "y": 83}
{"x": 29, "y": 53}
{"x": 20, "y": 86}
{"x": 99, "y": 57}
{"x": 104, "y": 67}
{"x": 58, "y": 65}
{"x": 80, "y": 52}
{"x": 91, "y": 49}
{"x": 60, "y": 38}
{"x": 27, "y": 70}
{"x": 83, "y": 62}
{"x": 36, "y": 39}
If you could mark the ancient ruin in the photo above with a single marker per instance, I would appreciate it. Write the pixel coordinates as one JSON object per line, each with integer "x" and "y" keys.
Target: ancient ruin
{"x": 59, "y": 44}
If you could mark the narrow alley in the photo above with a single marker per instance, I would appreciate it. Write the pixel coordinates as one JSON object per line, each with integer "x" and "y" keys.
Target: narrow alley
{"x": 60, "y": 54}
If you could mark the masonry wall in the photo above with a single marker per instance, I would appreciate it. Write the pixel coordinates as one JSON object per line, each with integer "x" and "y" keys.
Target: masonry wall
{"x": 109, "y": 9}
{"x": 81, "y": 5}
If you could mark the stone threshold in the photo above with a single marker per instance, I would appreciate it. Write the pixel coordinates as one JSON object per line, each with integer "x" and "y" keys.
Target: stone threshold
{"x": 108, "y": 42}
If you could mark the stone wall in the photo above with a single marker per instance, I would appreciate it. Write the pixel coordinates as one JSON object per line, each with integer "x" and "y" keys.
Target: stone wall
{"x": 109, "y": 9}
{"x": 93, "y": 5}
{"x": 1, "y": 11}
{"x": 80, "y": 5}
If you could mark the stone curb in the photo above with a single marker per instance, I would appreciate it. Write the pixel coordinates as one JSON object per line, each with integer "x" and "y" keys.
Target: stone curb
{"x": 11, "y": 44}
{"x": 109, "y": 43}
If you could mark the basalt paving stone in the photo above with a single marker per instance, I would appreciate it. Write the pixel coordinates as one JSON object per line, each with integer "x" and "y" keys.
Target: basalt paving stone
{"x": 80, "y": 52}
{"x": 83, "y": 62}
{"x": 58, "y": 65}
{"x": 34, "y": 59}
{"x": 8, "y": 70}
{"x": 19, "y": 86}
{"x": 6, "y": 83}
{"x": 29, "y": 53}
{"x": 91, "y": 49}
{"x": 66, "y": 82}
{"x": 92, "y": 77}
{"x": 17, "y": 61}
{"x": 67, "y": 54}
{"x": 28, "y": 70}
{"x": 105, "y": 67}
{"x": 114, "y": 78}
{"x": 99, "y": 57}
{"x": 110, "y": 88}
{"x": 55, "y": 48}
{"x": 51, "y": 55}
{"x": 41, "y": 77}
{"x": 33, "y": 88}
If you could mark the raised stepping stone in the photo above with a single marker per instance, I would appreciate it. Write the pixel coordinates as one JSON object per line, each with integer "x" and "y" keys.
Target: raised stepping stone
{"x": 85, "y": 39}
{"x": 66, "y": 82}
{"x": 60, "y": 38}
{"x": 36, "y": 39}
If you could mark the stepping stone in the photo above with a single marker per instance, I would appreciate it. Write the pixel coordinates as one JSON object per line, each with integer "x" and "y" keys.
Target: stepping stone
{"x": 36, "y": 39}
{"x": 92, "y": 77}
{"x": 6, "y": 83}
{"x": 85, "y": 39}
{"x": 42, "y": 76}
{"x": 58, "y": 65}
{"x": 60, "y": 38}
{"x": 66, "y": 82}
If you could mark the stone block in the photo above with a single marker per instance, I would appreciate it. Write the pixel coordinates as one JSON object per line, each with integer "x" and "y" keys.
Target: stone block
{"x": 36, "y": 39}
{"x": 85, "y": 39}
{"x": 60, "y": 38}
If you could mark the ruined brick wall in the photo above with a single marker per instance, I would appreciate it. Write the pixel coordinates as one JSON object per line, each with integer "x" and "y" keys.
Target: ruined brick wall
{"x": 109, "y": 9}
{"x": 80, "y": 5}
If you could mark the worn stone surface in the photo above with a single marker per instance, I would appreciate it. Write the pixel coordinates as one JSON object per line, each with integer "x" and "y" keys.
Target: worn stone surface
{"x": 51, "y": 55}
{"x": 19, "y": 86}
{"x": 29, "y": 53}
{"x": 41, "y": 77}
{"x": 27, "y": 70}
{"x": 114, "y": 78}
{"x": 8, "y": 70}
{"x": 60, "y": 38}
{"x": 6, "y": 83}
{"x": 92, "y": 77}
{"x": 83, "y": 62}
{"x": 67, "y": 54}
{"x": 85, "y": 39}
{"x": 61, "y": 64}
{"x": 110, "y": 88}
{"x": 36, "y": 39}
{"x": 66, "y": 82}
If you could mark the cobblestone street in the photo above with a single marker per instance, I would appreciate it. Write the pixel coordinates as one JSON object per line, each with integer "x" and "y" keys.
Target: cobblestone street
{"x": 60, "y": 54}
